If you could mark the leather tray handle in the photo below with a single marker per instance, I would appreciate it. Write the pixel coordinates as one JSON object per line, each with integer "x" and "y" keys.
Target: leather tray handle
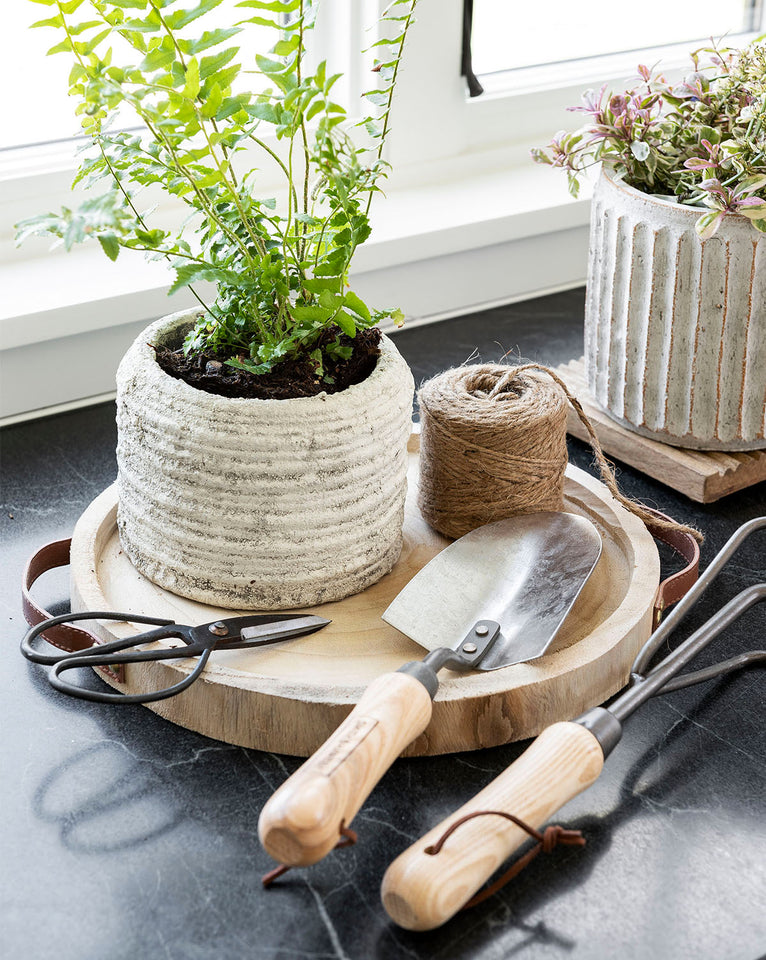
{"x": 673, "y": 588}
{"x": 421, "y": 891}
{"x": 63, "y": 636}
{"x": 301, "y": 821}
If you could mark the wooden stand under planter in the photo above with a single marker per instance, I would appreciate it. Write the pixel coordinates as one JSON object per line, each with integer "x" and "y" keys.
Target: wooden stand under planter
{"x": 701, "y": 475}
{"x": 288, "y": 698}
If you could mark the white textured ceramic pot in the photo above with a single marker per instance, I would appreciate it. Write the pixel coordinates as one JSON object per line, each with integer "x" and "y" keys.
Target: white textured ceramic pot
{"x": 270, "y": 504}
{"x": 675, "y": 327}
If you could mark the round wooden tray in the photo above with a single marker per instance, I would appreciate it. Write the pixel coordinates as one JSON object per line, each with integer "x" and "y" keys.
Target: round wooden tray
{"x": 289, "y": 697}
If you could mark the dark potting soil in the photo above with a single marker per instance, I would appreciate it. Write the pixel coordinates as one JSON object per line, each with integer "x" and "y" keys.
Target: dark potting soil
{"x": 294, "y": 377}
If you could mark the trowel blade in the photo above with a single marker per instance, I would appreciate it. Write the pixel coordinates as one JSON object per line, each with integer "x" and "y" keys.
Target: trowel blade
{"x": 525, "y": 573}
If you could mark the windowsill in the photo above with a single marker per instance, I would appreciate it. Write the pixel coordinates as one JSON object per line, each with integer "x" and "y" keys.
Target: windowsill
{"x": 463, "y": 207}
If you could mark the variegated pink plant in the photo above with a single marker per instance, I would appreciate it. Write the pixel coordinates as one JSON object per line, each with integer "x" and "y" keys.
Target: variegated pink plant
{"x": 700, "y": 141}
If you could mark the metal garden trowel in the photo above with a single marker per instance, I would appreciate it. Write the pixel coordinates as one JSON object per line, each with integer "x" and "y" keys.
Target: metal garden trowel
{"x": 493, "y": 598}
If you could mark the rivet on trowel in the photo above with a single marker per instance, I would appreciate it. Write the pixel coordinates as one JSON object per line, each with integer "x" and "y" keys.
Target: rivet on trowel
{"x": 469, "y": 648}
{"x": 482, "y": 630}
{"x": 219, "y": 629}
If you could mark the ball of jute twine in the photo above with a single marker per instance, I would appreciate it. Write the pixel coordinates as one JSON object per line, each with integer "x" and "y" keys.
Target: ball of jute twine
{"x": 493, "y": 445}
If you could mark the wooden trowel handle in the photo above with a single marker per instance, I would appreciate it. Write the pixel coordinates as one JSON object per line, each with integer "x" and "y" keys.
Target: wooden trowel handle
{"x": 301, "y": 822}
{"x": 422, "y": 891}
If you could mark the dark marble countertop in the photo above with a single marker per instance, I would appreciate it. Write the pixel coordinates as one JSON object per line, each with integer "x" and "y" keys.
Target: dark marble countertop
{"x": 124, "y": 836}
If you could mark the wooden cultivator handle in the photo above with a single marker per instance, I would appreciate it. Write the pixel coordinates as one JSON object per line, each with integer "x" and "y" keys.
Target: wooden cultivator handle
{"x": 301, "y": 822}
{"x": 421, "y": 891}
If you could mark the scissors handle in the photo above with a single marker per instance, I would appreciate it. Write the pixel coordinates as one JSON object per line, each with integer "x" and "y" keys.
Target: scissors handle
{"x": 136, "y": 656}
{"x": 49, "y": 659}
{"x": 109, "y": 654}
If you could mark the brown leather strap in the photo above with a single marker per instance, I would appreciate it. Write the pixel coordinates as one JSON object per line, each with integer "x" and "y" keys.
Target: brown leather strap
{"x": 63, "y": 636}
{"x": 546, "y": 842}
{"x": 673, "y": 588}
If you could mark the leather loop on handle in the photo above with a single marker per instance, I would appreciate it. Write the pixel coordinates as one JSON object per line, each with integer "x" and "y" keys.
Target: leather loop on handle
{"x": 421, "y": 891}
{"x": 63, "y": 636}
{"x": 673, "y": 588}
{"x": 546, "y": 843}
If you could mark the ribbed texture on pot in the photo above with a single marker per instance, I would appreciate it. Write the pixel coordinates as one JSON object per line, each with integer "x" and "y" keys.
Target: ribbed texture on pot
{"x": 675, "y": 327}
{"x": 260, "y": 504}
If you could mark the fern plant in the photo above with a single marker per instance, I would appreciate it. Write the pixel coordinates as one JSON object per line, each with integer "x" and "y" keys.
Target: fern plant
{"x": 281, "y": 270}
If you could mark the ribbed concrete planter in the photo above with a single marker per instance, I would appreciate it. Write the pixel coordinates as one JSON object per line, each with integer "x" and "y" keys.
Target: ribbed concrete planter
{"x": 250, "y": 504}
{"x": 675, "y": 327}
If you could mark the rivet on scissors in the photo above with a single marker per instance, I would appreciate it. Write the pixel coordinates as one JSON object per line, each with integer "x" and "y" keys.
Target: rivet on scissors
{"x": 219, "y": 629}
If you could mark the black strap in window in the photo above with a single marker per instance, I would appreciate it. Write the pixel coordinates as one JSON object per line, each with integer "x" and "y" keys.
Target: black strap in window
{"x": 475, "y": 89}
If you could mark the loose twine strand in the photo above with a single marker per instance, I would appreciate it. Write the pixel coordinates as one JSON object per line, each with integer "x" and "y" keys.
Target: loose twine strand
{"x": 493, "y": 445}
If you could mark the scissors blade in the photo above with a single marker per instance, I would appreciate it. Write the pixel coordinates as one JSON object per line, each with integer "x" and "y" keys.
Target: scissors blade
{"x": 275, "y": 631}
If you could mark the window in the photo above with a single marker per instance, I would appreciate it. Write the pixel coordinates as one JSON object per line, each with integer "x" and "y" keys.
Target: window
{"x": 39, "y": 132}
{"x": 509, "y": 36}
{"x": 45, "y": 113}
